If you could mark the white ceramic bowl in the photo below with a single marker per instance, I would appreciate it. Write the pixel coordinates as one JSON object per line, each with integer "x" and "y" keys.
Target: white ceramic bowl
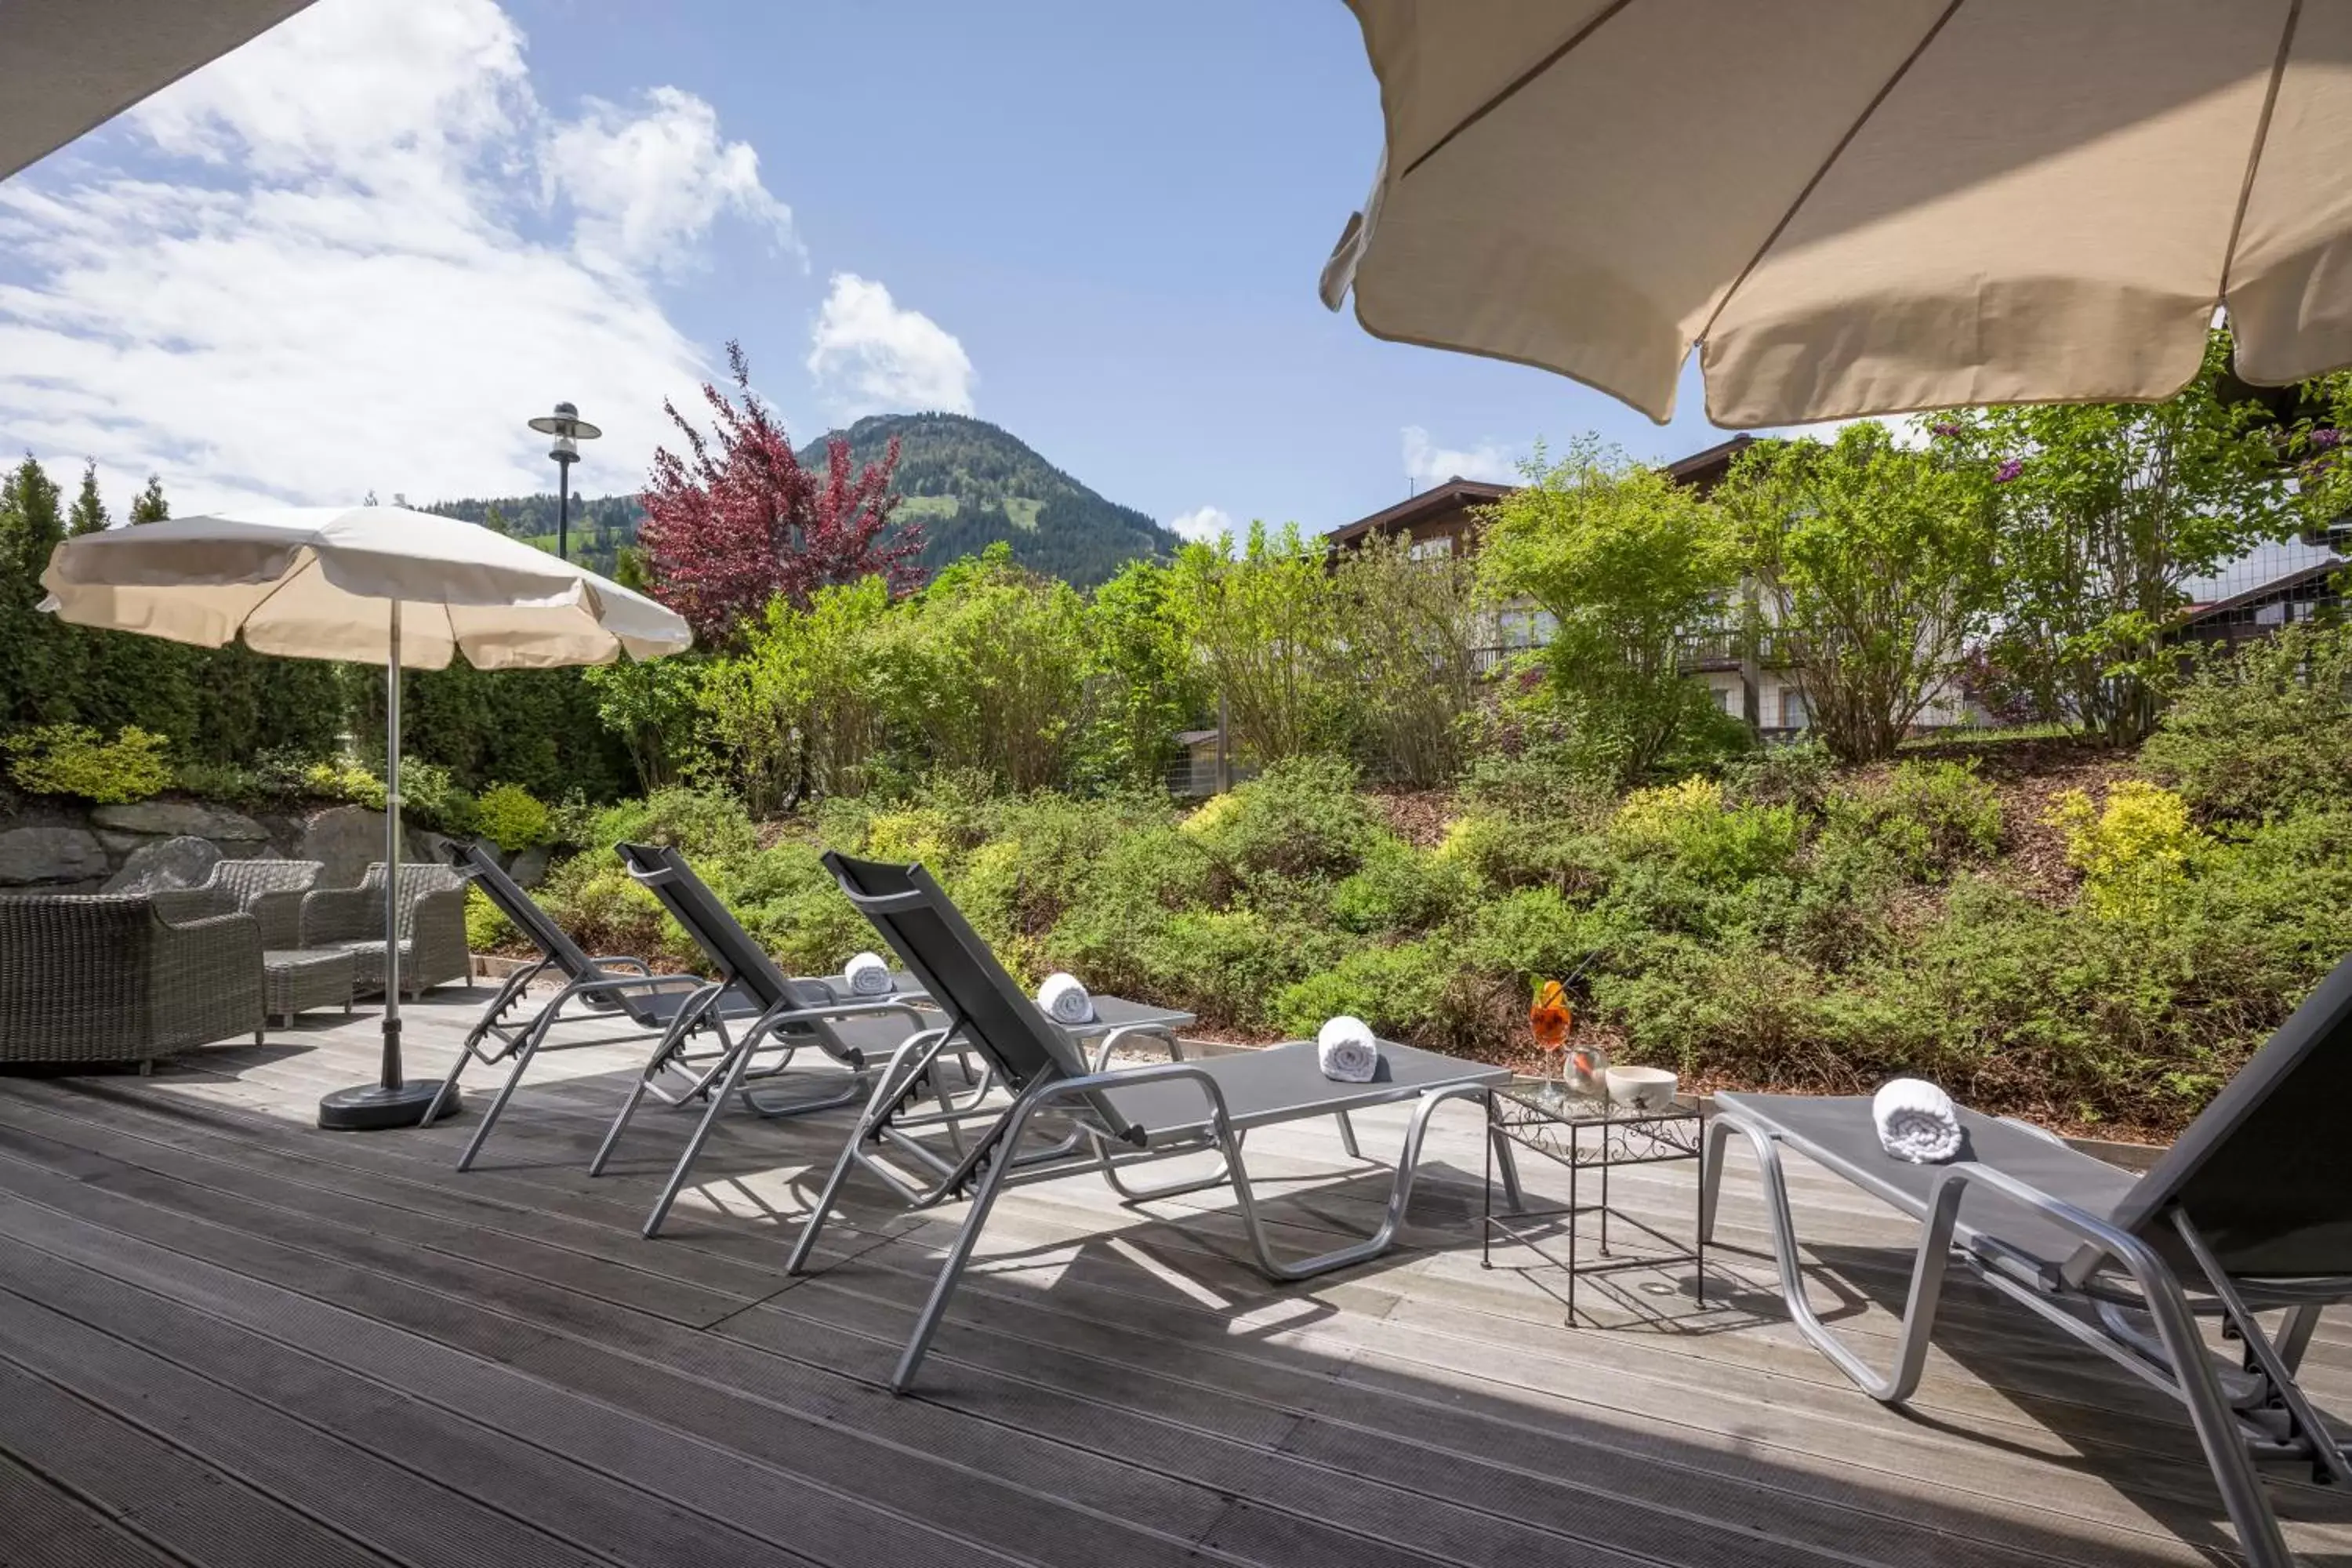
{"x": 1642, "y": 1088}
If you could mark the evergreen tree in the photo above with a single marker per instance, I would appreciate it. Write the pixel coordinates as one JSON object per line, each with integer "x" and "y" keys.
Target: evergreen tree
{"x": 39, "y": 659}
{"x": 151, "y": 506}
{"x": 89, "y": 513}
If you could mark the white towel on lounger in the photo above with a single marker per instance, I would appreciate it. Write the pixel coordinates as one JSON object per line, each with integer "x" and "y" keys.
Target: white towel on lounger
{"x": 1916, "y": 1121}
{"x": 1065, "y": 1000}
{"x": 867, "y": 975}
{"x": 1347, "y": 1050}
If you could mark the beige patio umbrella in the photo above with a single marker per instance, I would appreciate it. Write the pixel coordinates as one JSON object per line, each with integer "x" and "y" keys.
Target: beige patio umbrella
{"x": 1860, "y": 206}
{"x": 374, "y": 584}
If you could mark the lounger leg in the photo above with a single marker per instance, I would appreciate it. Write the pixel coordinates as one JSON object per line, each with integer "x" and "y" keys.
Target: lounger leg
{"x": 911, "y": 1058}
{"x": 497, "y": 1106}
{"x": 718, "y": 1097}
{"x": 1391, "y": 1219}
{"x": 1927, "y": 1274}
{"x": 1348, "y": 1136}
{"x": 2294, "y": 1334}
{"x": 951, "y": 1269}
{"x": 654, "y": 1063}
{"x": 2265, "y": 1358}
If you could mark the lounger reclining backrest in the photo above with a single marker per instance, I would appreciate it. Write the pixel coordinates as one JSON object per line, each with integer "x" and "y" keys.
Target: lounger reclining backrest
{"x": 938, "y": 946}
{"x": 664, "y": 873}
{"x": 2262, "y": 1173}
{"x": 519, "y": 908}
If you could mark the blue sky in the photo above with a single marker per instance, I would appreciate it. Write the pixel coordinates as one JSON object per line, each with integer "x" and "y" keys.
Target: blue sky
{"x": 358, "y": 253}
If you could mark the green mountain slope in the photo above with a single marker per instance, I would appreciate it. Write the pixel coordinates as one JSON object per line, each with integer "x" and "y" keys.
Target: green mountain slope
{"x": 967, "y": 482}
{"x": 971, "y": 483}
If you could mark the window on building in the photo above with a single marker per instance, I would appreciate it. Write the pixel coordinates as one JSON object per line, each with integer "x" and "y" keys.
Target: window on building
{"x": 1437, "y": 547}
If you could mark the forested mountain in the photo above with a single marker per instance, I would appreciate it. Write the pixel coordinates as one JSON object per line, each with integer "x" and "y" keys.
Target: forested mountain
{"x": 967, "y": 481}
{"x": 601, "y": 525}
{"x": 971, "y": 483}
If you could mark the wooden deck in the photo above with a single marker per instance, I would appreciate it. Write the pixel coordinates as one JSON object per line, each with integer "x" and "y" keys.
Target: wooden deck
{"x": 228, "y": 1339}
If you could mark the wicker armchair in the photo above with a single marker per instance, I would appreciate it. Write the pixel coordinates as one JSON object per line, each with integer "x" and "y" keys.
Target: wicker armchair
{"x": 123, "y": 977}
{"x": 432, "y": 928}
{"x": 270, "y": 891}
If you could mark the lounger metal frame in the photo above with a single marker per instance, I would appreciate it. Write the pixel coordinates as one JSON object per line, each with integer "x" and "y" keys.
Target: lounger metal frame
{"x": 789, "y": 1018}
{"x": 2259, "y": 1414}
{"x": 608, "y": 988}
{"x": 995, "y": 1160}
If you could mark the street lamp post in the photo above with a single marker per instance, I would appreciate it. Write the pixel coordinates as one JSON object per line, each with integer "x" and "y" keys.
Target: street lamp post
{"x": 569, "y": 430}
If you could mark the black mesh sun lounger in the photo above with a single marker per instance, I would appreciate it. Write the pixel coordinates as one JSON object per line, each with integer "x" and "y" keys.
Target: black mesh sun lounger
{"x": 2249, "y": 1213}
{"x": 1118, "y": 1118}
{"x": 622, "y": 990}
{"x": 812, "y": 1015}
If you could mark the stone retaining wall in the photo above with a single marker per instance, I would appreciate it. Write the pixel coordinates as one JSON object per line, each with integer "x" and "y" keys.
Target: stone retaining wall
{"x": 60, "y": 848}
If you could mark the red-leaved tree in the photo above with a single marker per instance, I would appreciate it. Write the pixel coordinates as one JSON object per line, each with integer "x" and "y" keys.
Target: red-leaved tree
{"x": 738, "y": 518}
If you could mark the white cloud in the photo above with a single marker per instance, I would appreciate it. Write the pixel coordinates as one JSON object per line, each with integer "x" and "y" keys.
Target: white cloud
{"x": 871, "y": 356}
{"x": 647, "y": 185}
{"x": 1202, "y": 524}
{"x": 1427, "y": 463}
{"x": 358, "y": 254}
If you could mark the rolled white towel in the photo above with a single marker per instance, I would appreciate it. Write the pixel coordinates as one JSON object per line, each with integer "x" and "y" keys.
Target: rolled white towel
{"x": 867, "y": 975}
{"x": 1065, "y": 1000}
{"x": 1346, "y": 1051}
{"x": 1916, "y": 1121}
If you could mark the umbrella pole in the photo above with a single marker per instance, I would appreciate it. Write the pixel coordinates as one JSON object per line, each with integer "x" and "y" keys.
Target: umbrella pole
{"x": 391, "y": 1101}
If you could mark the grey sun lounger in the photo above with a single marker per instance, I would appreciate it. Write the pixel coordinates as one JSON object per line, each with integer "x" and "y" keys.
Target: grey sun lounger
{"x": 1117, "y": 1118}
{"x": 793, "y": 1015}
{"x": 2248, "y": 1213}
{"x": 622, "y": 990}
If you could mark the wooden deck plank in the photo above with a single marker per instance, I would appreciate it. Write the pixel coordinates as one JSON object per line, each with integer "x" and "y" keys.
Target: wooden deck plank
{"x": 49, "y": 1527}
{"x": 1112, "y": 1385}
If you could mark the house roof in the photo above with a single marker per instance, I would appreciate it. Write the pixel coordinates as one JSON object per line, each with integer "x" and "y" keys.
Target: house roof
{"x": 1703, "y": 470}
{"x": 2256, "y": 595}
{"x": 1435, "y": 501}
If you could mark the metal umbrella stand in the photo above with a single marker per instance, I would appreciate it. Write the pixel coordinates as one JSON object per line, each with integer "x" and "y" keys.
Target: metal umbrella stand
{"x": 391, "y": 1100}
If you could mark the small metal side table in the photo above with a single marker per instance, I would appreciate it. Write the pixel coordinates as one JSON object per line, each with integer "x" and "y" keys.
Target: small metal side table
{"x": 1582, "y": 1132}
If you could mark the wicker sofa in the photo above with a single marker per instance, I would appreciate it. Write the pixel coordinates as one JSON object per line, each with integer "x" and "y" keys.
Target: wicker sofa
{"x": 431, "y": 927}
{"x": 125, "y": 978}
{"x": 270, "y": 891}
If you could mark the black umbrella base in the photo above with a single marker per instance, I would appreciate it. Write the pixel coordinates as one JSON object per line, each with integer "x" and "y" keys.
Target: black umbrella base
{"x": 372, "y": 1108}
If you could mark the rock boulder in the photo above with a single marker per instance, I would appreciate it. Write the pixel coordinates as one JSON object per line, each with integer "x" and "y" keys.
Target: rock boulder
{"x": 180, "y": 818}
{"x": 181, "y": 862}
{"x": 345, "y": 840}
{"x": 30, "y": 856}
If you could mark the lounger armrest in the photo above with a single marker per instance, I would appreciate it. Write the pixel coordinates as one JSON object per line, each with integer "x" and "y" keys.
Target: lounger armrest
{"x": 1088, "y": 1083}
{"x": 1120, "y": 1035}
{"x": 781, "y": 1014}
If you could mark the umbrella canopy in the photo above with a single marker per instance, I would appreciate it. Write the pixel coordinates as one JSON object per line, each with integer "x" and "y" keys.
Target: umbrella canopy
{"x": 315, "y": 583}
{"x": 403, "y": 589}
{"x": 1860, "y": 206}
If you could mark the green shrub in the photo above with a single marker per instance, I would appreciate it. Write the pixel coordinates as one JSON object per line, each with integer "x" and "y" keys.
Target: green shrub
{"x": 1926, "y": 819}
{"x": 1302, "y": 818}
{"x": 487, "y": 930}
{"x": 2265, "y": 730}
{"x": 1795, "y": 772}
{"x": 702, "y": 824}
{"x": 1229, "y": 965}
{"x": 1412, "y": 991}
{"x": 75, "y": 760}
{"x": 1398, "y": 887}
{"x": 2136, "y": 853}
{"x": 512, "y": 818}
{"x": 343, "y": 780}
{"x": 431, "y": 796}
{"x": 1691, "y": 826}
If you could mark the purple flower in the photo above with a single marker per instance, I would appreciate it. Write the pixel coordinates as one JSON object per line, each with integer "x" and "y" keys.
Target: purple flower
{"x": 2009, "y": 470}
{"x": 1944, "y": 428}
{"x": 2325, "y": 437}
